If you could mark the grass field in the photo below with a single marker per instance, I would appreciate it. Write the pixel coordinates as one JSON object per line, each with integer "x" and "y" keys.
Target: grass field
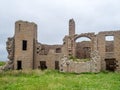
{"x": 2, "y": 63}
{"x": 54, "y": 80}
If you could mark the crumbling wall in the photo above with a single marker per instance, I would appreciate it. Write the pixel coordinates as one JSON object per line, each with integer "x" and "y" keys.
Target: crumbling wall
{"x": 47, "y": 53}
{"x": 10, "y": 49}
{"x": 43, "y": 49}
{"x": 94, "y": 65}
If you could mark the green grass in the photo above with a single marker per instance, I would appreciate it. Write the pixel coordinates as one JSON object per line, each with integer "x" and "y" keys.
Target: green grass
{"x": 79, "y": 60}
{"x": 2, "y": 63}
{"x": 54, "y": 80}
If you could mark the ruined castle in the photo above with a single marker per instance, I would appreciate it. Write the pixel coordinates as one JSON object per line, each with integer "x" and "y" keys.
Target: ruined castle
{"x": 25, "y": 52}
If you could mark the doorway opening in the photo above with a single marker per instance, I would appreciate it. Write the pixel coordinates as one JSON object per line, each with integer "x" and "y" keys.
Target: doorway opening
{"x": 19, "y": 65}
{"x": 56, "y": 65}
{"x": 111, "y": 64}
{"x": 43, "y": 65}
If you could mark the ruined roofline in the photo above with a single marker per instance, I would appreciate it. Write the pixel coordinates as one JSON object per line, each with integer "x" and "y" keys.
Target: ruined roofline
{"x": 112, "y": 31}
{"x": 52, "y": 45}
{"x": 86, "y": 33}
{"x": 101, "y": 32}
{"x": 49, "y": 44}
{"x": 21, "y": 21}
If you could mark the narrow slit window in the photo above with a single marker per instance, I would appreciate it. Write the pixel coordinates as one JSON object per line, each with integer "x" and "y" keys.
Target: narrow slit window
{"x": 19, "y": 27}
{"x": 24, "y": 45}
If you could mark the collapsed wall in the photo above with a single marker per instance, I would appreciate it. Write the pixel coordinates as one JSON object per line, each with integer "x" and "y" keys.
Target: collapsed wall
{"x": 47, "y": 56}
{"x": 93, "y": 65}
{"x": 10, "y": 49}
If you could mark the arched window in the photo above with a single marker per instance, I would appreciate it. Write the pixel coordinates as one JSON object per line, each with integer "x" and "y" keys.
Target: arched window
{"x": 83, "y": 47}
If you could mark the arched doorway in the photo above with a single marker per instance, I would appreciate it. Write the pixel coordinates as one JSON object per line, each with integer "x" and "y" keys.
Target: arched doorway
{"x": 83, "y": 47}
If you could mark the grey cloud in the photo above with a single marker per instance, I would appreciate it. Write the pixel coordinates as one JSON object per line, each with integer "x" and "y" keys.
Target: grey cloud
{"x": 52, "y": 17}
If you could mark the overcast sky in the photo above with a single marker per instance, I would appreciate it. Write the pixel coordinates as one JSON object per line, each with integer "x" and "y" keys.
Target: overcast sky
{"x": 52, "y": 18}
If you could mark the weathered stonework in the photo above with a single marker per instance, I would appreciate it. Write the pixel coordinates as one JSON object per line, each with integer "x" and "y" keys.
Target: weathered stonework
{"x": 25, "y": 52}
{"x": 93, "y": 65}
{"x": 10, "y": 48}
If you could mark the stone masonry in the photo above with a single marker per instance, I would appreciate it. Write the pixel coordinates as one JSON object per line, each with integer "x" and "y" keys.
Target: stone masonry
{"x": 25, "y": 52}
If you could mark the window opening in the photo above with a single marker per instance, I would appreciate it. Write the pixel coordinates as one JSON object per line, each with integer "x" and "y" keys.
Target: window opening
{"x": 109, "y": 43}
{"x": 58, "y": 50}
{"x": 24, "y": 45}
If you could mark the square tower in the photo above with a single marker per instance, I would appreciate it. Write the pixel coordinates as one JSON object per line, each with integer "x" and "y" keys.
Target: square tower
{"x": 25, "y": 40}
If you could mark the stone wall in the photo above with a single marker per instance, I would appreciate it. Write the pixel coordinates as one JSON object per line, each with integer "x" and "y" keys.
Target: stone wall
{"x": 34, "y": 53}
{"x": 94, "y": 65}
{"x": 114, "y": 49}
{"x": 47, "y": 53}
{"x": 25, "y": 40}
